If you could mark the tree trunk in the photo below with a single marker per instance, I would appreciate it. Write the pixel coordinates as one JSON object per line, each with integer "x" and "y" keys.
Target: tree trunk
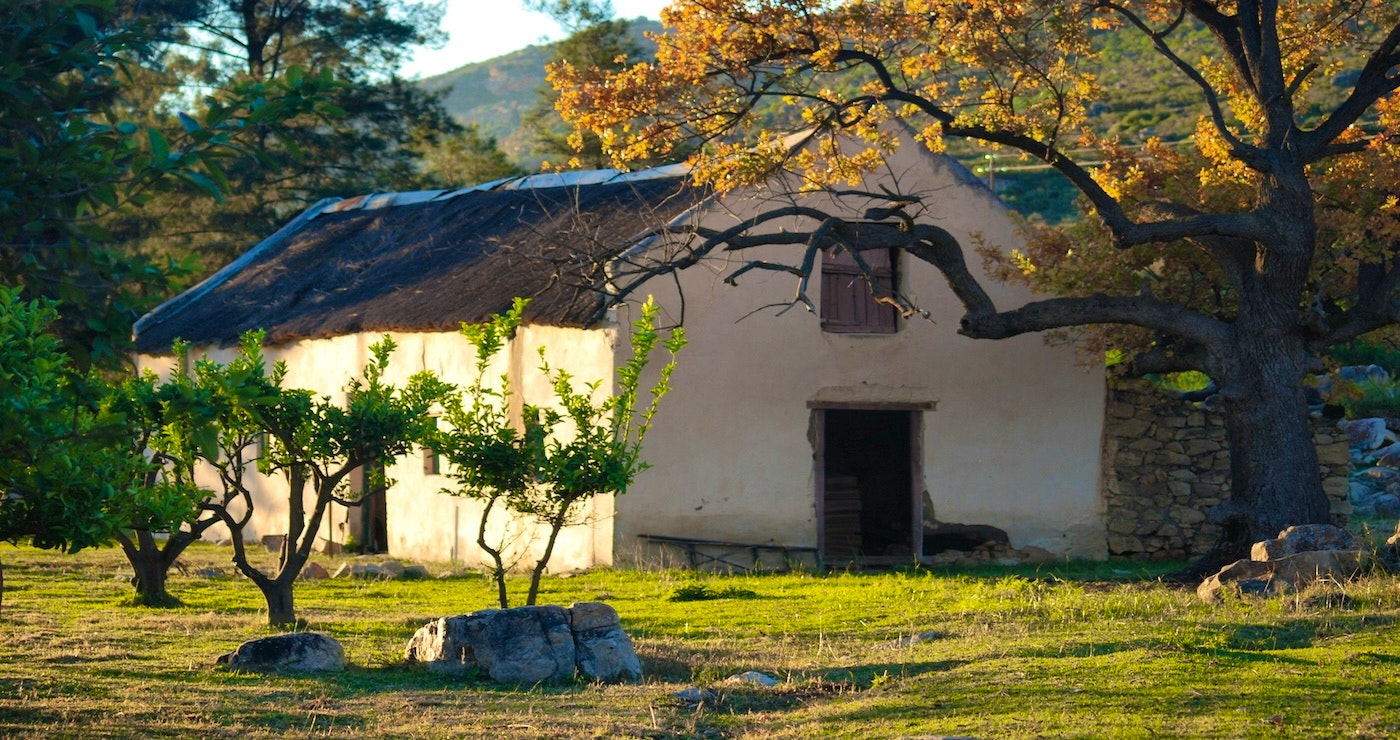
{"x": 555, "y": 525}
{"x": 281, "y": 610}
{"x": 151, "y": 573}
{"x": 1275, "y": 476}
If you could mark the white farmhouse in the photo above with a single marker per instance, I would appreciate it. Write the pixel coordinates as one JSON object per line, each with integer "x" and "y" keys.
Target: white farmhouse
{"x": 846, "y": 433}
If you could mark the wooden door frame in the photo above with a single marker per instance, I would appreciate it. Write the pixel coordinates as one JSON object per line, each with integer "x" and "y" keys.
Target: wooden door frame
{"x": 916, "y": 468}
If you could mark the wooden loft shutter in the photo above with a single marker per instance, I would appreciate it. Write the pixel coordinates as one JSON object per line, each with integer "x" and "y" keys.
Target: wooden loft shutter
{"x": 848, "y": 302}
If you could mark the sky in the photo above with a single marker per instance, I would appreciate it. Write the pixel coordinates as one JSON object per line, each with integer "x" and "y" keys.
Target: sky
{"x": 482, "y": 29}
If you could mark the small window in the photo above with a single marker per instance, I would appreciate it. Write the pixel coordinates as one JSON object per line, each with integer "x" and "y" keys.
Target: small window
{"x": 849, "y": 302}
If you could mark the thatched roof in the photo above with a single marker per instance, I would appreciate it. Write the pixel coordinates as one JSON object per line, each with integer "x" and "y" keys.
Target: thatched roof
{"x": 428, "y": 261}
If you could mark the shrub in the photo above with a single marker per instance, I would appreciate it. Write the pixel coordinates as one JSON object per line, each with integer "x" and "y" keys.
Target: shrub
{"x": 1373, "y": 398}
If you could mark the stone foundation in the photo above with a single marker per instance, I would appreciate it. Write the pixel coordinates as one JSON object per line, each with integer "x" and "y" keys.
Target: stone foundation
{"x": 1166, "y": 463}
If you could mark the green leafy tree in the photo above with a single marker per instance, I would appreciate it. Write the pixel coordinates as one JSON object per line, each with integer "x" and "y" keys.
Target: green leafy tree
{"x": 70, "y": 475}
{"x": 554, "y": 458}
{"x": 466, "y": 158}
{"x": 314, "y": 445}
{"x": 199, "y": 415}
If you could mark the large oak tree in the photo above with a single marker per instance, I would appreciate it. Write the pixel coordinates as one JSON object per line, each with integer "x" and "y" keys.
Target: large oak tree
{"x": 1241, "y": 257}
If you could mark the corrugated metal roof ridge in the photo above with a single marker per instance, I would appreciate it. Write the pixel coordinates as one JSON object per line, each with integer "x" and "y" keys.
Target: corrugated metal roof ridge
{"x": 535, "y": 181}
{"x": 174, "y": 306}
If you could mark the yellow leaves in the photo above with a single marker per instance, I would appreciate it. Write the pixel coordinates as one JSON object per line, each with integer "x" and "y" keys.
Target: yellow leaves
{"x": 1024, "y": 263}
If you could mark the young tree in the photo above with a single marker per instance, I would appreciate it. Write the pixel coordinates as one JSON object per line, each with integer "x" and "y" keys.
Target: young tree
{"x": 69, "y": 474}
{"x": 554, "y": 457}
{"x": 1277, "y": 239}
{"x": 196, "y": 416}
{"x": 314, "y": 445}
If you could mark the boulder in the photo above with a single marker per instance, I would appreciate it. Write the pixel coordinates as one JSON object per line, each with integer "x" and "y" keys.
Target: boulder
{"x": 1282, "y": 575}
{"x": 414, "y": 573}
{"x": 299, "y": 651}
{"x": 1386, "y": 505}
{"x": 1363, "y": 373}
{"x": 752, "y": 678}
{"x": 530, "y": 644}
{"x": 274, "y": 542}
{"x": 1304, "y": 538}
{"x": 314, "y": 572}
{"x": 1367, "y": 434}
{"x": 602, "y": 651}
{"x": 363, "y": 571}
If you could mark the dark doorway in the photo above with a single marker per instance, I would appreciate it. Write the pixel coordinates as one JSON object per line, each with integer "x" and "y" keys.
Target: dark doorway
{"x": 868, "y": 507}
{"x": 369, "y": 522}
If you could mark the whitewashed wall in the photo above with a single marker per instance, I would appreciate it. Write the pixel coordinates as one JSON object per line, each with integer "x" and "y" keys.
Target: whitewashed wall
{"x": 1013, "y": 440}
{"x": 424, "y": 523}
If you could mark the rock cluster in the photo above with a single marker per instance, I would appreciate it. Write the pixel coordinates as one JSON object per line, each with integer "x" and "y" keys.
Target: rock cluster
{"x": 1297, "y": 558}
{"x": 388, "y": 570}
{"x": 1167, "y": 463}
{"x": 530, "y": 644}
{"x": 1374, "y": 489}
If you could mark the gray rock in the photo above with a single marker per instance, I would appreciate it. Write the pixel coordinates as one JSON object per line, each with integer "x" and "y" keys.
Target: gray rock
{"x": 299, "y": 651}
{"x": 362, "y": 571}
{"x": 1386, "y": 505}
{"x": 602, "y": 650}
{"x": 916, "y": 639}
{"x": 529, "y": 644}
{"x": 1304, "y": 538}
{"x": 393, "y": 567}
{"x": 1367, "y": 434}
{"x": 414, "y": 573}
{"x": 694, "y": 694}
{"x": 753, "y": 678}
{"x": 1290, "y": 573}
{"x": 274, "y": 542}
{"x": 1359, "y": 492}
{"x": 1363, "y": 373}
{"x": 314, "y": 572}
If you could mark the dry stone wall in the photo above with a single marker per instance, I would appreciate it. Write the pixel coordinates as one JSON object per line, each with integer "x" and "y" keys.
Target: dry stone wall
{"x": 1167, "y": 463}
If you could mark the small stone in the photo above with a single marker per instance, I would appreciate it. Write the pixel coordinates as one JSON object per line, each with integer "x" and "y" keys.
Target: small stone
{"x": 753, "y": 678}
{"x": 694, "y": 694}
{"x": 922, "y": 637}
{"x": 314, "y": 572}
{"x": 1386, "y": 505}
{"x": 414, "y": 573}
{"x": 393, "y": 567}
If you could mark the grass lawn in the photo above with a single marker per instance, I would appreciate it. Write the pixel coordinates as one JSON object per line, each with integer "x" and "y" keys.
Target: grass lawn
{"x": 1074, "y": 650}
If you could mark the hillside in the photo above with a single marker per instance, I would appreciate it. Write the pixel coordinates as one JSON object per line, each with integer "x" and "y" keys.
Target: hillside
{"x": 495, "y": 93}
{"x": 1144, "y": 98}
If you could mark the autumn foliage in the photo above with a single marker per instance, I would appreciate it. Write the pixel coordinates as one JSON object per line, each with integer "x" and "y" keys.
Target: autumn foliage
{"x": 1242, "y": 252}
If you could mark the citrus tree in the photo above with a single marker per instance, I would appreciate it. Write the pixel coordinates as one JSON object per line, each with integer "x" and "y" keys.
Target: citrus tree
{"x": 1241, "y": 256}
{"x": 557, "y": 455}
{"x": 314, "y": 444}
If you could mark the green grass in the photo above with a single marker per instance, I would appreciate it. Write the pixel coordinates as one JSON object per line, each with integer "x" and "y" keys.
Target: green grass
{"x": 1082, "y": 650}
